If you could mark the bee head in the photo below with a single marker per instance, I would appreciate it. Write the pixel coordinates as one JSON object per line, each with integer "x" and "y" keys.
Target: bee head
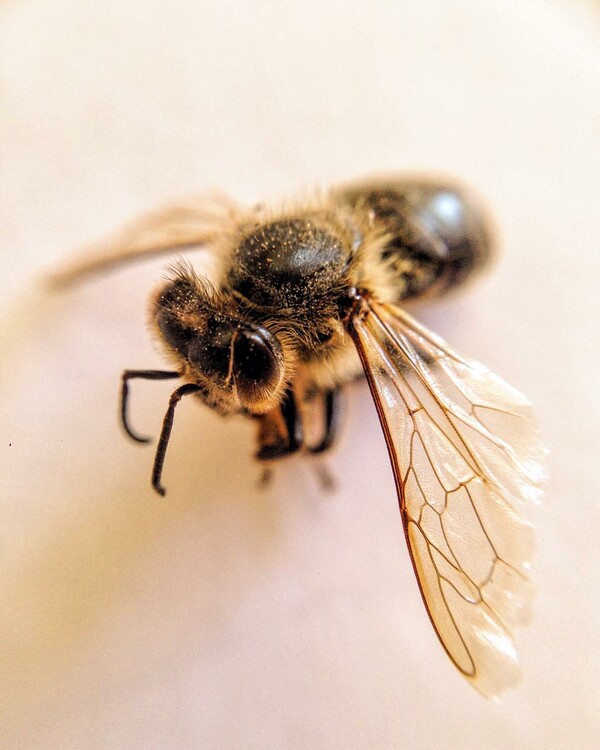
{"x": 239, "y": 364}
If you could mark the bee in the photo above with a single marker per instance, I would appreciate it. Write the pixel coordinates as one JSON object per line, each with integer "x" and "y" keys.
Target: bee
{"x": 308, "y": 297}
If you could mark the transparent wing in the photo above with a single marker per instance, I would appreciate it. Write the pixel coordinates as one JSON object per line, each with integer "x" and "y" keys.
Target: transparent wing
{"x": 464, "y": 450}
{"x": 184, "y": 226}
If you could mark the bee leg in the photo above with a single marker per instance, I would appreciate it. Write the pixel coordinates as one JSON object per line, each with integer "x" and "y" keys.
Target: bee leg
{"x": 332, "y": 416}
{"x": 147, "y": 375}
{"x": 280, "y": 431}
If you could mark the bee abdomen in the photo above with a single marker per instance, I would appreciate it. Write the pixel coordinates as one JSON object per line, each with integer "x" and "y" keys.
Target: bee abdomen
{"x": 437, "y": 237}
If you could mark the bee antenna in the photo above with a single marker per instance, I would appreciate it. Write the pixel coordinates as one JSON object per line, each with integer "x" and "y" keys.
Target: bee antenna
{"x": 146, "y": 375}
{"x": 165, "y": 433}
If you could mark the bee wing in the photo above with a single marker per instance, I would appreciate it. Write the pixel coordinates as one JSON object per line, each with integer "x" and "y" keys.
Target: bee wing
{"x": 464, "y": 450}
{"x": 184, "y": 226}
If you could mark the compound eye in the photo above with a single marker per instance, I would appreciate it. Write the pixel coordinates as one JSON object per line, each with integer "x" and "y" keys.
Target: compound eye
{"x": 257, "y": 362}
{"x": 250, "y": 358}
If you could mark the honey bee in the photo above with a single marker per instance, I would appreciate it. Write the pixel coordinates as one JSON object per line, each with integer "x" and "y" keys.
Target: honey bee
{"x": 308, "y": 298}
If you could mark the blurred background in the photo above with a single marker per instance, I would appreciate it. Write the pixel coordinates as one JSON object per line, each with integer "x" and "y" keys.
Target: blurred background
{"x": 224, "y": 616}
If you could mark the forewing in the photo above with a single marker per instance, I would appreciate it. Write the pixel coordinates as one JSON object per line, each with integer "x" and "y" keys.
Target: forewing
{"x": 183, "y": 226}
{"x": 464, "y": 449}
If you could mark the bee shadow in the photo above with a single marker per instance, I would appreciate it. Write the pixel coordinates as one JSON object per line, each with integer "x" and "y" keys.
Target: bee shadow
{"x": 90, "y": 552}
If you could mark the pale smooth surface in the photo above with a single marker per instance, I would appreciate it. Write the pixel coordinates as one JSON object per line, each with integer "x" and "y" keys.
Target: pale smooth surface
{"x": 222, "y": 616}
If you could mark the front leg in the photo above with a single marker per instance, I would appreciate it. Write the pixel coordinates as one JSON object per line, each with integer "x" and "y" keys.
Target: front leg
{"x": 332, "y": 414}
{"x": 280, "y": 431}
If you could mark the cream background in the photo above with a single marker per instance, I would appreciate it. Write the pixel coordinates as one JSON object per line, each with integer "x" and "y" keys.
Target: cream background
{"x": 224, "y": 617}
